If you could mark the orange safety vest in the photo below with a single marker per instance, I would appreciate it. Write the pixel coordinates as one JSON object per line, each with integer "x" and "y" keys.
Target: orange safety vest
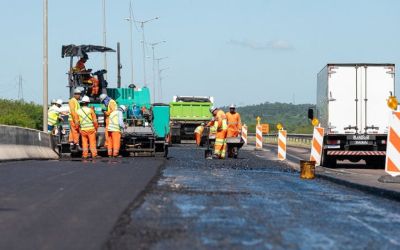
{"x": 234, "y": 122}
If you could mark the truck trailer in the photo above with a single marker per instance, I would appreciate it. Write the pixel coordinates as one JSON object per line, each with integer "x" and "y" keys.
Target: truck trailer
{"x": 351, "y": 107}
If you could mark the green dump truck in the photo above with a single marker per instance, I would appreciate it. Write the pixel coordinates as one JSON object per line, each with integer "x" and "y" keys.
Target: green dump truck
{"x": 186, "y": 113}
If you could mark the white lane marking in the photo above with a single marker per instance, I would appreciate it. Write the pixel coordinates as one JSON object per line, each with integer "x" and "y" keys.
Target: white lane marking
{"x": 374, "y": 230}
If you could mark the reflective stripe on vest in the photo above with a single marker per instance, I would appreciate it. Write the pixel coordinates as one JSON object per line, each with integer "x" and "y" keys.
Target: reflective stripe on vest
{"x": 77, "y": 107}
{"x": 85, "y": 118}
{"x": 52, "y": 117}
{"x": 113, "y": 124}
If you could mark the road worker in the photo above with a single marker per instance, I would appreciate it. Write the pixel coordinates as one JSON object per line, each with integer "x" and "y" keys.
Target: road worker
{"x": 54, "y": 115}
{"x": 73, "y": 109}
{"x": 234, "y": 122}
{"x": 86, "y": 76}
{"x": 111, "y": 106}
{"x": 87, "y": 122}
{"x": 115, "y": 127}
{"x": 198, "y": 132}
{"x": 220, "y": 125}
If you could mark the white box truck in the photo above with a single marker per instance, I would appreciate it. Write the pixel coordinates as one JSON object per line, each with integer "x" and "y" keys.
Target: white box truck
{"x": 352, "y": 107}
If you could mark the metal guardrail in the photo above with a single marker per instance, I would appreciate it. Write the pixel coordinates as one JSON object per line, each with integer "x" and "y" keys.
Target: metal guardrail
{"x": 292, "y": 139}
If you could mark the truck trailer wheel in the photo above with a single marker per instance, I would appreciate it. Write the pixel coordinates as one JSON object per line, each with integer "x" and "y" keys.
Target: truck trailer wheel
{"x": 377, "y": 162}
{"x": 329, "y": 161}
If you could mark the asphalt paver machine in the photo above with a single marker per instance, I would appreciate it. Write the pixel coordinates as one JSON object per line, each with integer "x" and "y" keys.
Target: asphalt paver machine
{"x": 147, "y": 124}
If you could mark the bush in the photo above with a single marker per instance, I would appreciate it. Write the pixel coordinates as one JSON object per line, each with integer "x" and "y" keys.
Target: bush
{"x": 22, "y": 114}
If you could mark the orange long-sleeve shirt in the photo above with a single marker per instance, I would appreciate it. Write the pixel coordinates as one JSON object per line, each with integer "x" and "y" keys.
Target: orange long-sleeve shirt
{"x": 234, "y": 121}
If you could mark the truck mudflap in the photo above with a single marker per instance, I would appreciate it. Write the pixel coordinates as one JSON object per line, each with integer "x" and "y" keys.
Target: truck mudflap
{"x": 356, "y": 153}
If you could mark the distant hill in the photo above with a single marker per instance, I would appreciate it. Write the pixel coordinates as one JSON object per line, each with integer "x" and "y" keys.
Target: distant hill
{"x": 292, "y": 116}
{"x": 21, "y": 114}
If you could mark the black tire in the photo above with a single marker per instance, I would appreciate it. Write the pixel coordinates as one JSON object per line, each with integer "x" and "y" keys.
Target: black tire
{"x": 329, "y": 161}
{"x": 165, "y": 151}
{"x": 377, "y": 162}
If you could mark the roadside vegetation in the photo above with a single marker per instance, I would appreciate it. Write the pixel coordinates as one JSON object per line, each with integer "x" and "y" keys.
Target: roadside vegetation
{"x": 292, "y": 116}
{"x": 22, "y": 114}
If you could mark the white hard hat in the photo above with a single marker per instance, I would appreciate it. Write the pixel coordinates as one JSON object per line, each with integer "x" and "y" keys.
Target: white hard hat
{"x": 102, "y": 97}
{"x": 212, "y": 109}
{"x": 77, "y": 91}
{"x": 59, "y": 102}
{"x": 233, "y": 106}
{"x": 123, "y": 107}
{"x": 85, "y": 99}
{"x": 53, "y": 101}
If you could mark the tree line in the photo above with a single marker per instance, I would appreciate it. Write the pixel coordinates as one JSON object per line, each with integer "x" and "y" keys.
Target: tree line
{"x": 292, "y": 116}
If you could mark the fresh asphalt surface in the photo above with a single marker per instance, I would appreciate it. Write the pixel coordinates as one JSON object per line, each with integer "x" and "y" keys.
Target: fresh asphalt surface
{"x": 255, "y": 203}
{"x": 193, "y": 203}
{"x": 67, "y": 204}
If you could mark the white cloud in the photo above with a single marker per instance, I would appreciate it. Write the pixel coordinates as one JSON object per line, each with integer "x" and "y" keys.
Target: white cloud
{"x": 267, "y": 45}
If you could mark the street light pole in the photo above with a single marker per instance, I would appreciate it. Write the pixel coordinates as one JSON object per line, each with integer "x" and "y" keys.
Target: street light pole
{"x": 142, "y": 23}
{"x": 45, "y": 63}
{"x": 160, "y": 81}
{"x": 130, "y": 19}
{"x": 104, "y": 35}
{"x": 153, "y": 45}
{"x": 159, "y": 77}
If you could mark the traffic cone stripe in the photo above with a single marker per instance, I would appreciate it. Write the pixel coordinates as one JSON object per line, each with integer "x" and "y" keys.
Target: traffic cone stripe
{"x": 317, "y": 146}
{"x": 391, "y": 167}
{"x": 282, "y": 145}
{"x": 393, "y": 146}
{"x": 394, "y": 138}
{"x": 244, "y": 134}
{"x": 317, "y": 143}
{"x": 397, "y": 114}
{"x": 259, "y": 137}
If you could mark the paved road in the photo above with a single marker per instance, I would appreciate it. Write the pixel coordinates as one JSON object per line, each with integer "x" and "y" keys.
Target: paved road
{"x": 67, "y": 205}
{"x": 257, "y": 203}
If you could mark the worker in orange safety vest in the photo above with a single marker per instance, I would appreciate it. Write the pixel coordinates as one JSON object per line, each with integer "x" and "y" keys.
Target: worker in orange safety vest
{"x": 221, "y": 126}
{"x": 87, "y": 78}
{"x": 234, "y": 122}
{"x": 111, "y": 106}
{"x": 74, "y": 106}
{"x": 87, "y": 121}
{"x": 115, "y": 126}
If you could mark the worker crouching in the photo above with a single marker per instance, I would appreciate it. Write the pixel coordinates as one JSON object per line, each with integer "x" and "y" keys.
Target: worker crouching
{"x": 198, "y": 132}
{"x": 87, "y": 123}
{"x": 220, "y": 125}
{"x": 115, "y": 126}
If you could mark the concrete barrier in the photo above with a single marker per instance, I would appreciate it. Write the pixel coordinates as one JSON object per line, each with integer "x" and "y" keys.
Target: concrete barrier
{"x": 22, "y": 144}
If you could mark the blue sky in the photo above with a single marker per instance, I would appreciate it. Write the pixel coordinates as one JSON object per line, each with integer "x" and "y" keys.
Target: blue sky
{"x": 240, "y": 51}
